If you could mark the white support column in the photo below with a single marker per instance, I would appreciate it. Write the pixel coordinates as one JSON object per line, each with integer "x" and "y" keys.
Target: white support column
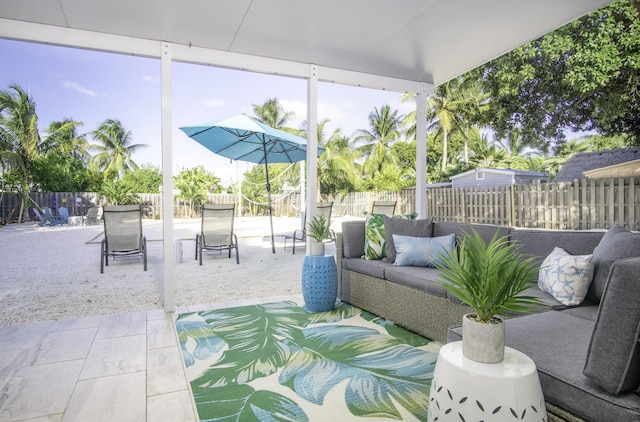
{"x": 421, "y": 152}
{"x": 312, "y": 144}
{"x": 167, "y": 182}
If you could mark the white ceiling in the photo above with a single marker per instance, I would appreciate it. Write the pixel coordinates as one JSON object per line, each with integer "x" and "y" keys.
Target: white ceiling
{"x": 428, "y": 41}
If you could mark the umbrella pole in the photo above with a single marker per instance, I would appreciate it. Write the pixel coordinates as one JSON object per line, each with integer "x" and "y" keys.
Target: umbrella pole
{"x": 266, "y": 171}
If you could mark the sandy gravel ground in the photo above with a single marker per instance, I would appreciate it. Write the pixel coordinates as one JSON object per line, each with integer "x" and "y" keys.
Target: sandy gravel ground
{"x": 52, "y": 273}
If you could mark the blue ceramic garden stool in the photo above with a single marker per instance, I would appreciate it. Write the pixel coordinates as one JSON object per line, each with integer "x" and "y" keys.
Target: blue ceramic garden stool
{"x": 319, "y": 282}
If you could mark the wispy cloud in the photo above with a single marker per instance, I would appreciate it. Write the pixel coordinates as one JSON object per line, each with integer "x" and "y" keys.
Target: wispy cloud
{"x": 214, "y": 102}
{"x": 82, "y": 90}
{"x": 149, "y": 78}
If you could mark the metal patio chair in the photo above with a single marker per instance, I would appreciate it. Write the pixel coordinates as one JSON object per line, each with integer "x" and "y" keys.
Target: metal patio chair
{"x": 387, "y": 208}
{"x": 300, "y": 235}
{"x": 122, "y": 234}
{"x": 216, "y": 232}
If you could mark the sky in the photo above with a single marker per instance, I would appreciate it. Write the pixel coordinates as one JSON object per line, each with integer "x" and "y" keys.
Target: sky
{"x": 90, "y": 87}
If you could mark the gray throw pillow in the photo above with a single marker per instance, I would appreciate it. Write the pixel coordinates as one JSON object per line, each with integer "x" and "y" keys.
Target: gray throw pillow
{"x": 415, "y": 228}
{"x": 613, "y": 358}
{"x": 616, "y": 244}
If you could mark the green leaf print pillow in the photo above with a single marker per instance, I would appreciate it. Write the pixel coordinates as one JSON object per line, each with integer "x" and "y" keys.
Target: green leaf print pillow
{"x": 374, "y": 239}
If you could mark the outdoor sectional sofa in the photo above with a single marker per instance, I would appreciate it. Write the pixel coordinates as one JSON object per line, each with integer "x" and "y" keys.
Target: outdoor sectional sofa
{"x": 586, "y": 355}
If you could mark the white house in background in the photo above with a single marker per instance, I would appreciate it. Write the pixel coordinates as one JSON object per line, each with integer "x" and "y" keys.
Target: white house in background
{"x": 497, "y": 177}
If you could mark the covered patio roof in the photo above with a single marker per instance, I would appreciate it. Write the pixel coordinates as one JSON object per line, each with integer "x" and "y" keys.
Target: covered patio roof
{"x": 427, "y": 41}
{"x": 407, "y": 46}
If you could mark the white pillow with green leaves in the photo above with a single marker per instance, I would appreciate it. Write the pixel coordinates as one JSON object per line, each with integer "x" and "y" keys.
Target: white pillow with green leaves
{"x": 375, "y": 237}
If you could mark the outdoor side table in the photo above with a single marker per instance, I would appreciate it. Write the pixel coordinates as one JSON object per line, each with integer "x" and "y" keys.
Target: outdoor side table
{"x": 319, "y": 282}
{"x": 463, "y": 389}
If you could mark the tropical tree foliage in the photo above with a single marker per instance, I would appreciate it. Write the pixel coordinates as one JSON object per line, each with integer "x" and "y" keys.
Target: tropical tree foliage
{"x": 375, "y": 142}
{"x": 194, "y": 185}
{"x": 145, "y": 179}
{"x": 20, "y": 140}
{"x": 582, "y": 77}
{"x": 114, "y": 149}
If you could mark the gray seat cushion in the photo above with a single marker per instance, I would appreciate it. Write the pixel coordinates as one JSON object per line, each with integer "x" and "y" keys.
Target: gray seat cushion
{"x": 558, "y": 343}
{"x": 613, "y": 358}
{"x": 365, "y": 266}
{"x": 421, "y": 278}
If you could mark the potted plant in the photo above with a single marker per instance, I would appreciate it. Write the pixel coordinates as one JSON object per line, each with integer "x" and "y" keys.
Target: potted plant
{"x": 490, "y": 278}
{"x": 318, "y": 230}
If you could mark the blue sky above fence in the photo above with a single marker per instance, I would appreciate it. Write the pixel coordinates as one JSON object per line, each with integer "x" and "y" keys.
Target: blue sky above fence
{"x": 91, "y": 87}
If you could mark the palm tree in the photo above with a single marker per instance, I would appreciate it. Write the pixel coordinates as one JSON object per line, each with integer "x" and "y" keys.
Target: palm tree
{"x": 488, "y": 155}
{"x": 21, "y": 140}
{"x": 452, "y": 106}
{"x": 518, "y": 150}
{"x": 455, "y": 105}
{"x": 337, "y": 168}
{"x": 64, "y": 139}
{"x": 114, "y": 149}
{"x": 384, "y": 129}
{"x": 272, "y": 113}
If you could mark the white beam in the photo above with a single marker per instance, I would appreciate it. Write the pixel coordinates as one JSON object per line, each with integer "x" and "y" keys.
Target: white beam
{"x": 421, "y": 150}
{"x": 167, "y": 181}
{"x": 312, "y": 145}
{"x": 67, "y": 37}
{"x": 368, "y": 80}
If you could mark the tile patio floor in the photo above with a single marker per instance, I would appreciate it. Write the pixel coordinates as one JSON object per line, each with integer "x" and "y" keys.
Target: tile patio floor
{"x": 122, "y": 368}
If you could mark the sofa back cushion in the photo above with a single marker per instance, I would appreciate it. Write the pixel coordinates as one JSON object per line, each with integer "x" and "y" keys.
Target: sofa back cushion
{"x": 540, "y": 243}
{"x": 487, "y": 231}
{"x": 353, "y": 238}
{"x": 616, "y": 244}
{"x": 404, "y": 227}
{"x": 613, "y": 358}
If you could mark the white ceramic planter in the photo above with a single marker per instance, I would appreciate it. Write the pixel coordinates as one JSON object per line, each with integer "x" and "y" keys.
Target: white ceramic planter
{"x": 317, "y": 248}
{"x": 482, "y": 342}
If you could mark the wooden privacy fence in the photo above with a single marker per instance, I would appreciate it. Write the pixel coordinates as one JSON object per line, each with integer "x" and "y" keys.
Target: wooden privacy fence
{"x": 582, "y": 204}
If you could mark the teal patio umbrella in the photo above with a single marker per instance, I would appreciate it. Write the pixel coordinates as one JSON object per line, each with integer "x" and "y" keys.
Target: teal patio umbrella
{"x": 244, "y": 138}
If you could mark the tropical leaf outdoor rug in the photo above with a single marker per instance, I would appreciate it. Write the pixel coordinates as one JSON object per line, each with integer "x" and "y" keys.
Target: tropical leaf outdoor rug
{"x": 280, "y": 362}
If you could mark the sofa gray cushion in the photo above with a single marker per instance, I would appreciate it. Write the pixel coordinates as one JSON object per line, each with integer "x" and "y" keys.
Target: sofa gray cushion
{"x": 613, "y": 359}
{"x": 589, "y": 313}
{"x": 353, "y": 238}
{"x": 404, "y": 227}
{"x": 421, "y": 278}
{"x": 486, "y": 231}
{"x": 558, "y": 342}
{"x": 616, "y": 244}
{"x": 374, "y": 268}
{"x": 540, "y": 243}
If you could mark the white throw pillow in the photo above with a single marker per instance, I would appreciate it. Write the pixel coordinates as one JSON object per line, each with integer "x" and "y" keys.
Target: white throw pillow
{"x": 566, "y": 277}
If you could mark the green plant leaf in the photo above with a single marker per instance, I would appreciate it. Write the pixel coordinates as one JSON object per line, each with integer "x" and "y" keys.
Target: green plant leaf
{"x": 490, "y": 278}
{"x": 243, "y": 403}
{"x": 255, "y": 339}
{"x": 397, "y": 372}
{"x": 206, "y": 342}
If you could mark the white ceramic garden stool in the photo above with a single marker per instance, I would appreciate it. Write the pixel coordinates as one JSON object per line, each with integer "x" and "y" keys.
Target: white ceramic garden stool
{"x": 463, "y": 389}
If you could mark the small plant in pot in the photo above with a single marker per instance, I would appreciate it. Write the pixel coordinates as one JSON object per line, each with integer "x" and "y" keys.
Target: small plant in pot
{"x": 318, "y": 230}
{"x": 490, "y": 278}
